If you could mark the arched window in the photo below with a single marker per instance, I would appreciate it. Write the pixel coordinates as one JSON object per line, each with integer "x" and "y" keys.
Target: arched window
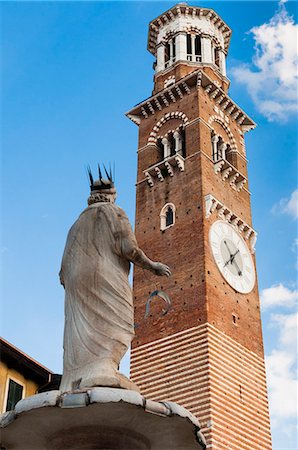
{"x": 166, "y": 147}
{"x": 183, "y": 146}
{"x": 167, "y": 216}
{"x": 171, "y": 144}
{"x": 214, "y": 140}
{"x": 216, "y": 57}
{"x": 219, "y": 148}
{"x": 177, "y": 142}
{"x": 170, "y": 52}
{"x": 193, "y": 47}
{"x": 160, "y": 149}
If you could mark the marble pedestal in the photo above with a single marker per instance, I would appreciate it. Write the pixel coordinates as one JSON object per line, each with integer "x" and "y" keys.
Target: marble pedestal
{"x": 99, "y": 418}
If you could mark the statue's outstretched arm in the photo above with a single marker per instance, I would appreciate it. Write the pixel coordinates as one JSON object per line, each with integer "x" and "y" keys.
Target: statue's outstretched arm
{"x": 131, "y": 251}
{"x": 134, "y": 254}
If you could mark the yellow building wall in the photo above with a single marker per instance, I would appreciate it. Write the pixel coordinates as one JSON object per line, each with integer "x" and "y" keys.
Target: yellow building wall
{"x": 30, "y": 387}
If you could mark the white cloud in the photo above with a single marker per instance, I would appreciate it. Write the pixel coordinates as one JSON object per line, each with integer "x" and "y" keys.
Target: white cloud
{"x": 278, "y": 295}
{"x": 280, "y": 364}
{"x": 288, "y": 205}
{"x": 271, "y": 78}
{"x": 287, "y": 324}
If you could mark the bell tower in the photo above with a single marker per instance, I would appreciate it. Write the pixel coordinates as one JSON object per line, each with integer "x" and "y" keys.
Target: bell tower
{"x": 193, "y": 213}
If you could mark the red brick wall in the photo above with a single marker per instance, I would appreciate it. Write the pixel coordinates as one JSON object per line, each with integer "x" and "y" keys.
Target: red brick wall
{"x": 200, "y": 295}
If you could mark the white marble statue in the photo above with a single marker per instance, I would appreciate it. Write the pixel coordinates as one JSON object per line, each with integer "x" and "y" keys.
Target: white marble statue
{"x": 99, "y": 323}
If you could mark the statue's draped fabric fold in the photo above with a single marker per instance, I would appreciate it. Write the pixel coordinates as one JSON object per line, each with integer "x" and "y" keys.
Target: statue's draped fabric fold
{"x": 98, "y": 298}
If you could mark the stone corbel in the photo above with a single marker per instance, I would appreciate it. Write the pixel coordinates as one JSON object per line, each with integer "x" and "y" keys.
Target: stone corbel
{"x": 208, "y": 88}
{"x": 240, "y": 185}
{"x": 159, "y": 174}
{"x": 180, "y": 163}
{"x": 143, "y": 111}
{"x": 233, "y": 180}
{"x": 235, "y": 222}
{"x": 241, "y": 227}
{"x": 149, "y": 179}
{"x": 220, "y": 212}
{"x": 211, "y": 204}
{"x": 225, "y": 173}
{"x": 218, "y": 166}
{"x": 248, "y": 233}
{"x": 199, "y": 79}
{"x": 214, "y": 93}
{"x": 169, "y": 169}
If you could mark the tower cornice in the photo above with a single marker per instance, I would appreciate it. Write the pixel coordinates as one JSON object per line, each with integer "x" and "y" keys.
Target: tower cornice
{"x": 183, "y": 87}
{"x": 182, "y": 9}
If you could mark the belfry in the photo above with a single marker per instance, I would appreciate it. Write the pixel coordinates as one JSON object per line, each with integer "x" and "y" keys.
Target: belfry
{"x": 193, "y": 212}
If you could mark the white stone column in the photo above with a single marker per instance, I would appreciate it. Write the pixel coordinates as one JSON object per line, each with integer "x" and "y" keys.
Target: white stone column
{"x": 181, "y": 47}
{"x": 214, "y": 141}
{"x": 160, "y": 58}
{"x": 171, "y": 50}
{"x": 222, "y": 150}
{"x": 206, "y": 50}
{"x": 166, "y": 147}
{"x": 222, "y": 62}
{"x": 178, "y": 142}
{"x": 193, "y": 47}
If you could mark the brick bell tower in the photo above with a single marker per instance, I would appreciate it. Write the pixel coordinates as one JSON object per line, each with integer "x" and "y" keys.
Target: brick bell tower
{"x": 193, "y": 213}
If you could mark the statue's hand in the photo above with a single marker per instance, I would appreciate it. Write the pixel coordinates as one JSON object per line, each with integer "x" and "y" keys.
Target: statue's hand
{"x": 161, "y": 269}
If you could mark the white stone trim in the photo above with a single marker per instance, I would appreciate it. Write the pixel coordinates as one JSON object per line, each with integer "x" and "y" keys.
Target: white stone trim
{"x": 168, "y": 116}
{"x": 223, "y": 212}
{"x": 218, "y": 119}
{"x": 169, "y": 81}
{"x": 183, "y": 12}
{"x": 149, "y": 179}
{"x": 163, "y": 216}
{"x": 154, "y": 173}
{"x": 201, "y": 80}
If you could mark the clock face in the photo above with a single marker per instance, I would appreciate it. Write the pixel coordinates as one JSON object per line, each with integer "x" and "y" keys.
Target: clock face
{"x": 232, "y": 256}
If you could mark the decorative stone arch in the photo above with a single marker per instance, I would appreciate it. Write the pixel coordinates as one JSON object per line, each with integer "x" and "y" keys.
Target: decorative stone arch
{"x": 216, "y": 42}
{"x": 193, "y": 29}
{"x": 169, "y": 35}
{"x": 168, "y": 116}
{"x": 163, "y": 216}
{"x": 227, "y": 129}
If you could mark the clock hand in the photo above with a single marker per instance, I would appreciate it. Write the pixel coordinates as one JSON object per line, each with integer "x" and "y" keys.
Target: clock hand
{"x": 233, "y": 256}
{"x": 230, "y": 259}
{"x": 225, "y": 242}
{"x": 237, "y": 267}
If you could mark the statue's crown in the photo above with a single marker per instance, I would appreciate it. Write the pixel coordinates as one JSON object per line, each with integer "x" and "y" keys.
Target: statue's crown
{"x": 102, "y": 184}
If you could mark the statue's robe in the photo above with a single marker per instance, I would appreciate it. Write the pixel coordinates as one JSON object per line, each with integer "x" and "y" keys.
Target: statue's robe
{"x": 98, "y": 298}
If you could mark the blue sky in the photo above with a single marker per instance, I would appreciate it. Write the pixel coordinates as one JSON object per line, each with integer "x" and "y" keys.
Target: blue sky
{"x": 70, "y": 72}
